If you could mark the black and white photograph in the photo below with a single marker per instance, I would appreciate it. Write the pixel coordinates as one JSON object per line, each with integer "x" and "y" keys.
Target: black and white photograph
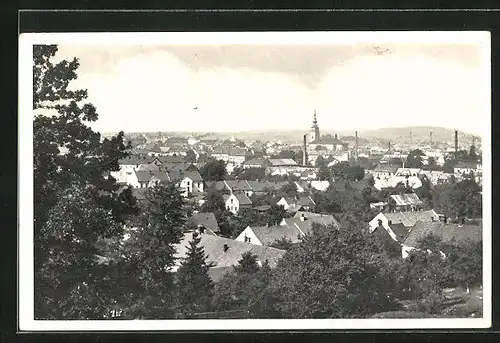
{"x": 271, "y": 180}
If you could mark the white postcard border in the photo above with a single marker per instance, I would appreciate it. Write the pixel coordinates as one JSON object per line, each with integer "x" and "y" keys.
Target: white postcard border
{"x": 25, "y": 181}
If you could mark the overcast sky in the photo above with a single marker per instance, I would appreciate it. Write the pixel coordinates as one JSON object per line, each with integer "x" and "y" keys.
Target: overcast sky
{"x": 254, "y": 87}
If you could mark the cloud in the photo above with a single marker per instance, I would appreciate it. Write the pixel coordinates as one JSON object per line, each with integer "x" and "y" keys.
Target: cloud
{"x": 136, "y": 89}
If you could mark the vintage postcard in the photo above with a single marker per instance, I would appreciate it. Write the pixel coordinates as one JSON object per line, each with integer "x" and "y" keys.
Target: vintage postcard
{"x": 254, "y": 181}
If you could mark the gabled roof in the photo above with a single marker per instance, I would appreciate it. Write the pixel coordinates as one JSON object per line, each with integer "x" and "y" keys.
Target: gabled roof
{"x": 406, "y": 199}
{"x": 182, "y": 166}
{"x": 171, "y": 159}
{"x": 206, "y": 219}
{"x": 328, "y": 140}
{"x": 148, "y": 167}
{"x": 238, "y": 185}
{"x": 257, "y": 161}
{"x": 306, "y": 225}
{"x": 258, "y": 186}
{"x": 214, "y": 249}
{"x": 447, "y": 231}
{"x": 193, "y": 175}
{"x": 408, "y": 171}
{"x": 231, "y": 151}
{"x": 301, "y": 200}
{"x": 146, "y": 175}
{"x": 410, "y": 218}
{"x": 241, "y": 197}
{"x": 267, "y": 235}
{"x": 276, "y": 162}
{"x": 386, "y": 167}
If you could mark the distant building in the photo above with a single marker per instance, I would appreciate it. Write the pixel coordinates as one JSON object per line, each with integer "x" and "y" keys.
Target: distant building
{"x": 405, "y": 202}
{"x": 291, "y": 204}
{"x": 234, "y": 202}
{"x": 399, "y": 224}
{"x": 448, "y": 232}
{"x": 225, "y": 253}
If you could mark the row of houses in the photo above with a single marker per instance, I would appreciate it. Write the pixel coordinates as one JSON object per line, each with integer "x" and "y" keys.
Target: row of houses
{"x": 408, "y": 228}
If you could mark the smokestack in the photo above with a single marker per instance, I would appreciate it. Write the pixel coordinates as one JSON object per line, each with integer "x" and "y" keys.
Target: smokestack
{"x": 430, "y": 134}
{"x": 304, "y": 152}
{"x": 456, "y": 141}
{"x": 389, "y": 147}
{"x": 357, "y": 145}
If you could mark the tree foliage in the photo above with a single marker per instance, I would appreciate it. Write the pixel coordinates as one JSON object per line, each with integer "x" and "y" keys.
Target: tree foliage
{"x": 214, "y": 171}
{"x": 324, "y": 277}
{"x": 415, "y": 159}
{"x": 147, "y": 257}
{"x": 71, "y": 164}
{"x": 194, "y": 286}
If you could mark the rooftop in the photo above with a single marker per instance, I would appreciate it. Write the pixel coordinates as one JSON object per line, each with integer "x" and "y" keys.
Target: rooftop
{"x": 406, "y": 199}
{"x": 267, "y": 235}
{"x": 214, "y": 249}
{"x": 448, "y": 232}
{"x": 207, "y": 220}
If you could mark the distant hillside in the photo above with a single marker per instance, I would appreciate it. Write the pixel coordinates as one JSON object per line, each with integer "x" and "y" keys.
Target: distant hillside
{"x": 418, "y": 133}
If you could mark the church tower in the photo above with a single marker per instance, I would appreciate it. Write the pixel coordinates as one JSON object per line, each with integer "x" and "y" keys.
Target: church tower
{"x": 315, "y": 129}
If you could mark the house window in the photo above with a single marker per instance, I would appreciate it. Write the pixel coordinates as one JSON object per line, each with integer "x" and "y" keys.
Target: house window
{"x": 129, "y": 173}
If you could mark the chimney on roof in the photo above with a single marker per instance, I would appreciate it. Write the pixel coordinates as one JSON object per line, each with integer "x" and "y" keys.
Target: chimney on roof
{"x": 357, "y": 145}
{"x": 302, "y": 217}
{"x": 225, "y": 247}
{"x": 304, "y": 151}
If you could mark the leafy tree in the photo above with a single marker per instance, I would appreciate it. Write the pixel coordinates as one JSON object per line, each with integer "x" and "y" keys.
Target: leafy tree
{"x": 323, "y": 277}
{"x": 414, "y": 159}
{"x": 275, "y": 214}
{"x": 194, "y": 285}
{"x": 320, "y": 162}
{"x": 214, "y": 171}
{"x": 282, "y": 243}
{"x": 248, "y": 263}
{"x": 432, "y": 164}
{"x": 72, "y": 276}
{"x": 473, "y": 156}
{"x": 289, "y": 190}
{"x": 324, "y": 173}
{"x": 61, "y": 123}
{"x": 190, "y": 156}
{"x": 149, "y": 255}
{"x": 214, "y": 202}
{"x": 459, "y": 200}
{"x": 345, "y": 171}
{"x": 246, "y": 288}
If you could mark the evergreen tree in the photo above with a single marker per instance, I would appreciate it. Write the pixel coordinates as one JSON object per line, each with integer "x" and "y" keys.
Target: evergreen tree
{"x": 248, "y": 263}
{"x": 147, "y": 257}
{"x": 193, "y": 282}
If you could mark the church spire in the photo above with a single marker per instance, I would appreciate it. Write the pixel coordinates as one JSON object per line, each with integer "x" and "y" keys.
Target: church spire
{"x": 315, "y": 128}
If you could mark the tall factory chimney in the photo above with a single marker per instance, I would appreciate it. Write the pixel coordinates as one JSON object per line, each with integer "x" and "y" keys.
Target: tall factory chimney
{"x": 304, "y": 151}
{"x": 456, "y": 141}
{"x": 430, "y": 136}
{"x": 389, "y": 151}
{"x": 357, "y": 146}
